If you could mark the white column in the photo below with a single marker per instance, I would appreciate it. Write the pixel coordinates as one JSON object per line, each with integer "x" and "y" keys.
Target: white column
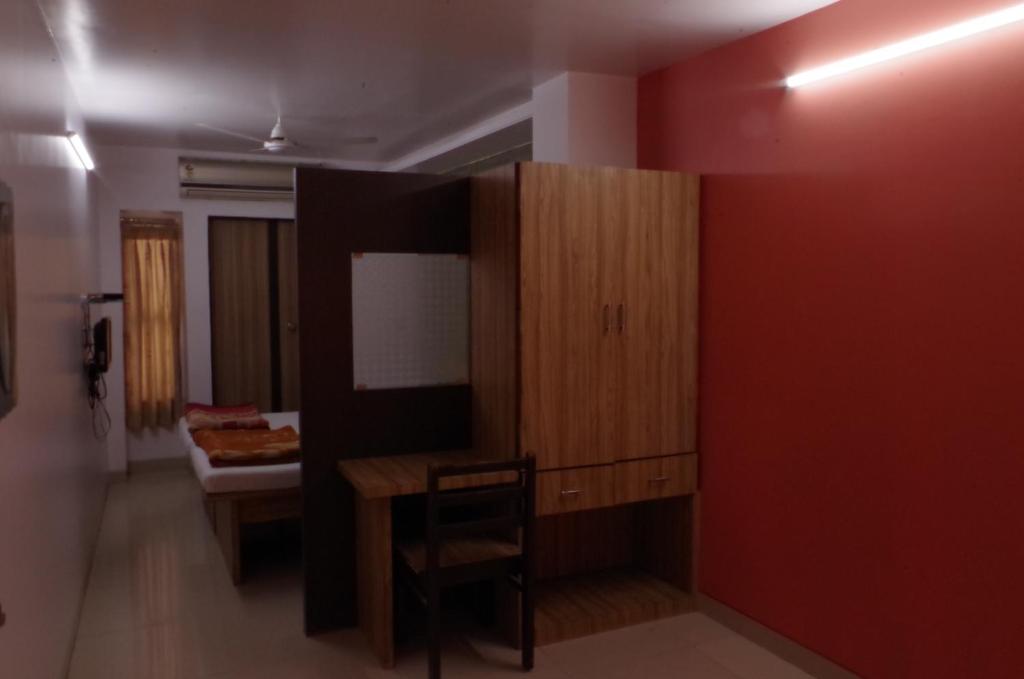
{"x": 585, "y": 119}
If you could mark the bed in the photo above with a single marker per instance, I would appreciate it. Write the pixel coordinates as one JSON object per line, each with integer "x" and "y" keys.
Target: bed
{"x": 239, "y": 496}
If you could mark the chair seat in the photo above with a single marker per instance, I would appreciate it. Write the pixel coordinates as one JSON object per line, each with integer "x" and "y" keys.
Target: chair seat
{"x": 458, "y": 552}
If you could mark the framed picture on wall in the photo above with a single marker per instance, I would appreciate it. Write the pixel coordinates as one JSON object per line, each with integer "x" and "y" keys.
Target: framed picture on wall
{"x": 8, "y": 301}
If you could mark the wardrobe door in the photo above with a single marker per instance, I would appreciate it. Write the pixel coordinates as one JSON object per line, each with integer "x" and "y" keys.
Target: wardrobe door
{"x": 659, "y": 328}
{"x": 561, "y": 316}
{"x": 614, "y": 198}
{"x": 288, "y": 313}
{"x": 240, "y": 312}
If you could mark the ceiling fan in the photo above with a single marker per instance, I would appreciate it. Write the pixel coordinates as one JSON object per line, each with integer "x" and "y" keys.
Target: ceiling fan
{"x": 279, "y": 140}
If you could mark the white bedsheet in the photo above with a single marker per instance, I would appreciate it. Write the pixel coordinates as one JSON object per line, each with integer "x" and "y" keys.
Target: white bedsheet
{"x": 243, "y": 479}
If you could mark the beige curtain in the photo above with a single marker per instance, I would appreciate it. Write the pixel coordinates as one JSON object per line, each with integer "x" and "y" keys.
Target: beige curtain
{"x": 153, "y": 321}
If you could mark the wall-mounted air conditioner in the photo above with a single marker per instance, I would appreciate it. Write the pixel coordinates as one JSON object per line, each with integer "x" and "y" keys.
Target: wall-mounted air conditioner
{"x": 235, "y": 180}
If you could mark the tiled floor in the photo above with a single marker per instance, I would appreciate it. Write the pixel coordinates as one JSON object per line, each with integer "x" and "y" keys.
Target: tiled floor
{"x": 160, "y": 606}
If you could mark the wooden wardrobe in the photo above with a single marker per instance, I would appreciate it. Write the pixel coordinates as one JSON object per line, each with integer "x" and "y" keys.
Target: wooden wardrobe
{"x": 584, "y": 354}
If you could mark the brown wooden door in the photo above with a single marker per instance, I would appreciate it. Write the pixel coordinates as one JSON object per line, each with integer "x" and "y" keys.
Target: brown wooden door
{"x": 561, "y": 317}
{"x": 659, "y": 333}
{"x": 288, "y": 313}
{"x": 240, "y": 312}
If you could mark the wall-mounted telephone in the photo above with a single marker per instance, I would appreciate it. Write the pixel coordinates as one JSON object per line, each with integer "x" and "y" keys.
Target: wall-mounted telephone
{"x": 101, "y": 347}
{"x": 97, "y": 350}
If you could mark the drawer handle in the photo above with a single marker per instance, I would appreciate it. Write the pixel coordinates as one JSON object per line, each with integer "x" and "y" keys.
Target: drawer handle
{"x": 566, "y": 493}
{"x": 659, "y": 479}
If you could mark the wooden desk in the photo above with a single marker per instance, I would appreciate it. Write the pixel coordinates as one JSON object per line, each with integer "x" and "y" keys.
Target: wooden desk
{"x": 596, "y": 570}
{"x": 376, "y": 480}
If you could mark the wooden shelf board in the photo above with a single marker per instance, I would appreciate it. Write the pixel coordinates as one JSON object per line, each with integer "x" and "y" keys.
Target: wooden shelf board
{"x": 580, "y": 605}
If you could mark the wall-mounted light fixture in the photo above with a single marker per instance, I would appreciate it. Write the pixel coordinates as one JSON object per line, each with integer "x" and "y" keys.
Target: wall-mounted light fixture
{"x": 81, "y": 152}
{"x": 942, "y": 36}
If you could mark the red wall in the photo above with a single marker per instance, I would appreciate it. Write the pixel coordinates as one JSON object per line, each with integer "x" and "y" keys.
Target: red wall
{"x": 862, "y": 335}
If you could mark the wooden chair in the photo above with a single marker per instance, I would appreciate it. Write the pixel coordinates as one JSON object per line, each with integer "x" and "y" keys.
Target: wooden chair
{"x": 460, "y": 549}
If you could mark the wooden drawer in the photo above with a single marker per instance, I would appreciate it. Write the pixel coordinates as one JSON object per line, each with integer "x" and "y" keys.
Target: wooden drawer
{"x": 655, "y": 478}
{"x": 573, "y": 490}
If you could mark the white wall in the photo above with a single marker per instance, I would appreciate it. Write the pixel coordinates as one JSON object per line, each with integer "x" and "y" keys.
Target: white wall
{"x": 146, "y": 179}
{"x": 52, "y": 470}
{"x": 585, "y": 119}
{"x": 551, "y": 120}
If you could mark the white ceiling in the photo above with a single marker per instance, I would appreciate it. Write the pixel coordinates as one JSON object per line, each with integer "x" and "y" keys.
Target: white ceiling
{"x": 407, "y": 71}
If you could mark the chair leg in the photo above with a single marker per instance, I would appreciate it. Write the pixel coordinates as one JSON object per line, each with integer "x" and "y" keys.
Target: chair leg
{"x": 526, "y": 616}
{"x": 434, "y": 629}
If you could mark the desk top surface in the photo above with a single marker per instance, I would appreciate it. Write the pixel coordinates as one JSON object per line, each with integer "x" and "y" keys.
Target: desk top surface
{"x": 380, "y": 477}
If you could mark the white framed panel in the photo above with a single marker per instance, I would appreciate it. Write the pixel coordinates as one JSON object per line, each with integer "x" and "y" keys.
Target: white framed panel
{"x": 410, "y": 320}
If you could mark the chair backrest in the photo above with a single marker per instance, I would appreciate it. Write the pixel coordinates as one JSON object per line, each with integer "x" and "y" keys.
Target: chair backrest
{"x": 507, "y": 486}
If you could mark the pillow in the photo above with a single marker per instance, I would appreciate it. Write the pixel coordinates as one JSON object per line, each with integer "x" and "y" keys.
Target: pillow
{"x": 200, "y": 416}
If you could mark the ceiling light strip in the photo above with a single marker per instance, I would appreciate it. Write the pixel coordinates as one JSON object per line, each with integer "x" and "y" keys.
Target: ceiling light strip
{"x": 942, "y": 36}
{"x": 81, "y": 152}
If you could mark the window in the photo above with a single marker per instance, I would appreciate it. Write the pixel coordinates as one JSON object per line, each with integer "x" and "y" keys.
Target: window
{"x": 153, "y": 320}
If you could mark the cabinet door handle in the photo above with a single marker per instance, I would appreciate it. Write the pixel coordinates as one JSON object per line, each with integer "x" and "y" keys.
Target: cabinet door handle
{"x": 607, "y": 319}
{"x": 566, "y": 493}
{"x": 659, "y": 479}
{"x": 622, "y": 318}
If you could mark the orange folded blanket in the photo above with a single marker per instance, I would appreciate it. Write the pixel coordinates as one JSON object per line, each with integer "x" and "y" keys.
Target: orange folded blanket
{"x": 229, "y": 447}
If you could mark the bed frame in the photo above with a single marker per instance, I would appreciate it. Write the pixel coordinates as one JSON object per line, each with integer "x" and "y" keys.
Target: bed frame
{"x": 228, "y": 512}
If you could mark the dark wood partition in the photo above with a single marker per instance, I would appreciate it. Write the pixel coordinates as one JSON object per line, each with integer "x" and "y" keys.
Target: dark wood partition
{"x": 340, "y": 212}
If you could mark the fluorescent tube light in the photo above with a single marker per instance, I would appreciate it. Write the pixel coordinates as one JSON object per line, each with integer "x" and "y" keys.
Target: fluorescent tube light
{"x": 78, "y": 146}
{"x": 922, "y": 42}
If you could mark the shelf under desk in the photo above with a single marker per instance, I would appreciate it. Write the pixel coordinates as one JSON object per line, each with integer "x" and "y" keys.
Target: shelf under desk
{"x": 579, "y": 605}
